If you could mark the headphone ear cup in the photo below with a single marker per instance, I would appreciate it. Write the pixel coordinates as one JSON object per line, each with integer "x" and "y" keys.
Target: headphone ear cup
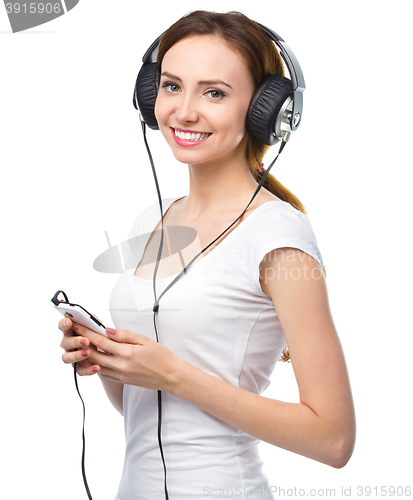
{"x": 146, "y": 91}
{"x": 265, "y": 107}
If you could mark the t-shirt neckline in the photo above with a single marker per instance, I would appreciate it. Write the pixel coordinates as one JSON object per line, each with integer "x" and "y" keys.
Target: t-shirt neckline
{"x": 172, "y": 276}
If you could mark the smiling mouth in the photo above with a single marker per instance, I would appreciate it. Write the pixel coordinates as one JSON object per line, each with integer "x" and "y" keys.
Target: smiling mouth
{"x": 190, "y": 136}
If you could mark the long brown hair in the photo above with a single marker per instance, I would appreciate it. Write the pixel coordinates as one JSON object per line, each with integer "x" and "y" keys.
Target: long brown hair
{"x": 248, "y": 39}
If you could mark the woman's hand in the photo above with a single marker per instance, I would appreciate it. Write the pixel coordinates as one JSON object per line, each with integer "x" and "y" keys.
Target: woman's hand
{"x": 70, "y": 343}
{"x": 128, "y": 357}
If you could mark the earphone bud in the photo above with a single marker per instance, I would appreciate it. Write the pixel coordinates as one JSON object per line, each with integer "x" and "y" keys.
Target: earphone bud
{"x": 275, "y": 110}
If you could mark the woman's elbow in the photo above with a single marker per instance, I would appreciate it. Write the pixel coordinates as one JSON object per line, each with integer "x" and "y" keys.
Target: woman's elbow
{"x": 342, "y": 450}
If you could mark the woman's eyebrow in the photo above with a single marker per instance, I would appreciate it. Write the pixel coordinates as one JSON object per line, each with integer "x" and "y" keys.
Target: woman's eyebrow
{"x": 169, "y": 75}
{"x": 202, "y": 82}
{"x": 214, "y": 82}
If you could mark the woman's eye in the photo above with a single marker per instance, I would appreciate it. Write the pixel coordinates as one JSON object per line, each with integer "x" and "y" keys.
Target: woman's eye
{"x": 216, "y": 94}
{"x": 171, "y": 87}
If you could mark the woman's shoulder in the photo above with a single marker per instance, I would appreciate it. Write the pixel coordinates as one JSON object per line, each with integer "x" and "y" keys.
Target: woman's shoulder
{"x": 280, "y": 225}
{"x": 271, "y": 207}
{"x": 263, "y": 196}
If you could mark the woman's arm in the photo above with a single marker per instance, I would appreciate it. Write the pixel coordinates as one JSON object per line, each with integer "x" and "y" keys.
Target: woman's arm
{"x": 321, "y": 426}
{"x": 299, "y": 293}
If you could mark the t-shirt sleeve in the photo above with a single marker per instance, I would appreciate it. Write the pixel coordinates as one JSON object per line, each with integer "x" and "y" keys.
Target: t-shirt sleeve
{"x": 285, "y": 227}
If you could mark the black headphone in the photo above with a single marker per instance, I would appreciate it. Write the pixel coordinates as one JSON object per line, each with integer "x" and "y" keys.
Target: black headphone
{"x": 275, "y": 109}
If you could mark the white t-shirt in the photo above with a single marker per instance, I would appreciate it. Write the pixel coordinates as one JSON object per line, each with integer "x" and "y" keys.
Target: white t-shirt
{"x": 218, "y": 319}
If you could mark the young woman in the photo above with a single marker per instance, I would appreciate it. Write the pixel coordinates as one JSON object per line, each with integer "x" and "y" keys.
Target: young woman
{"x": 224, "y": 324}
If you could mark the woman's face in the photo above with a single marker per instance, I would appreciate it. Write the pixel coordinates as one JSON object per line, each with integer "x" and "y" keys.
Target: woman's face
{"x": 204, "y": 95}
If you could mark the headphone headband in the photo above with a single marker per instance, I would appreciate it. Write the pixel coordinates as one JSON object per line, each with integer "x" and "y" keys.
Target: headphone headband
{"x": 151, "y": 55}
{"x": 296, "y": 74}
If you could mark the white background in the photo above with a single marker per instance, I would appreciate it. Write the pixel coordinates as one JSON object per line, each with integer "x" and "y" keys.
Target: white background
{"x": 73, "y": 165}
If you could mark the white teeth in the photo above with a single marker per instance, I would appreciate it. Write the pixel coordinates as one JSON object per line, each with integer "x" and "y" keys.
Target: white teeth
{"x": 188, "y": 136}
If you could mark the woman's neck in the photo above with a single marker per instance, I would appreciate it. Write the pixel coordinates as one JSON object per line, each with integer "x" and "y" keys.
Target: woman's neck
{"x": 214, "y": 189}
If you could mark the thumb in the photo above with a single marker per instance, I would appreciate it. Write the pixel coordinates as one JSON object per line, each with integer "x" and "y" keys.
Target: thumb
{"x": 124, "y": 336}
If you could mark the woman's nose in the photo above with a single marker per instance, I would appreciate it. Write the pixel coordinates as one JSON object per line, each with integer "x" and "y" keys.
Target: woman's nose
{"x": 187, "y": 109}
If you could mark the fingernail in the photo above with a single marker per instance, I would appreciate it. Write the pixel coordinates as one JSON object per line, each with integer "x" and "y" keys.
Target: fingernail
{"x": 85, "y": 354}
{"x": 110, "y": 331}
{"x": 65, "y": 322}
{"x": 83, "y": 342}
{"x": 75, "y": 326}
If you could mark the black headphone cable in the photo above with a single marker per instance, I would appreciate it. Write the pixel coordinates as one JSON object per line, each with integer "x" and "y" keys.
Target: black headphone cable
{"x": 83, "y": 434}
{"x": 55, "y": 301}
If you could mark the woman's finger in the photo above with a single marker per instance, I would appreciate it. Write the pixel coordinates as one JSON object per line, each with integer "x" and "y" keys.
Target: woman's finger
{"x": 65, "y": 325}
{"x": 76, "y": 356}
{"x": 87, "y": 370}
{"x": 70, "y": 343}
{"x": 97, "y": 339}
{"x": 126, "y": 337}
